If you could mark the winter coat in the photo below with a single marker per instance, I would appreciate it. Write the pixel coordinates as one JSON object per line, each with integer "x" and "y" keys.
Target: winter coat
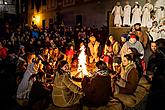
{"x": 128, "y": 82}
{"x": 97, "y": 89}
{"x": 65, "y": 92}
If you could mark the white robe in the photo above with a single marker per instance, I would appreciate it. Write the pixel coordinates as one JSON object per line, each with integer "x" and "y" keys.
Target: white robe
{"x": 162, "y": 32}
{"x": 154, "y": 32}
{"x": 136, "y": 17}
{"x": 158, "y": 12}
{"x": 117, "y": 10}
{"x": 147, "y": 8}
{"x": 127, "y": 14}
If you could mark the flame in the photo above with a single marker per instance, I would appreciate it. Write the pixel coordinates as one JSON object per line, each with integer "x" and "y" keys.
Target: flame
{"x": 82, "y": 70}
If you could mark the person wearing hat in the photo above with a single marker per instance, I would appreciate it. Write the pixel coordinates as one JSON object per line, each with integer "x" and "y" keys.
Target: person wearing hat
{"x": 140, "y": 34}
{"x": 127, "y": 14}
{"x": 147, "y": 8}
{"x": 132, "y": 42}
{"x": 93, "y": 50}
{"x": 117, "y": 10}
{"x": 136, "y": 14}
{"x": 123, "y": 39}
{"x": 159, "y": 8}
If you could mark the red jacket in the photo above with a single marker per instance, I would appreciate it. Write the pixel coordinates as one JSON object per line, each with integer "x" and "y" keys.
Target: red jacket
{"x": 70, "y": 52}
{"x": 3, "y": 53}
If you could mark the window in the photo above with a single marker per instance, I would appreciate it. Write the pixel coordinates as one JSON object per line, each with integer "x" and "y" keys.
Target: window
{"x": 68, "y": 3}
{"x": 44, "y": 2}
{"x": 43, "y": 24}
{"x": 32, "y": 4}
{"x": 50, "y": 23}
{"x": 79, "y": 19}
{"x": 48, "y": 4}
{"x": 53, "y": 4}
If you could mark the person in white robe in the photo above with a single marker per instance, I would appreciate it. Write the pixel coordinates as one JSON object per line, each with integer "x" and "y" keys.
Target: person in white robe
{"x": 136, "y": 14}
{"x": 127, "y": 14}
{"x": 117, "y": 10}
{"x": 147, "y": 8}
{"x": 162, "y": 30}
{"x": 159, "y": 8}
{"x": 154, "y": 32}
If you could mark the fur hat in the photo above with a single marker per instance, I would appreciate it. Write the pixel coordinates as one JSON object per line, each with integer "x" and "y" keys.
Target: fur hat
{"x": 92, "y": 38}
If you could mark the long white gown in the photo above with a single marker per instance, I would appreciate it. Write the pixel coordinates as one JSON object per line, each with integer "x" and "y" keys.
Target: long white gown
{"x": 158, "y": 12}
{"x": 117, "y": 10}
{"x": 154, "y": 32}
{"x": 162, "y": 31}
{"x": 127, "y": 15}
{"x": 136, "y": 17}
{"x": 147, "y": 8}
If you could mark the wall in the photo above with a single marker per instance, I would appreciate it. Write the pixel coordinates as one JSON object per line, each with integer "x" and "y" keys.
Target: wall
{"x": 93, "y": 13}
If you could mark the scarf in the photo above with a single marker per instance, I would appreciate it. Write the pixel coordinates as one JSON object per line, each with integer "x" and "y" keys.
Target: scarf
{"x": 101, "y": 73}
{"x": 123, "y": 80}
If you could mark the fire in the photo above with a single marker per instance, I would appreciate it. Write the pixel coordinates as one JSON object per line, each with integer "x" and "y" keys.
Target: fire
{"x": 82, "y": 69}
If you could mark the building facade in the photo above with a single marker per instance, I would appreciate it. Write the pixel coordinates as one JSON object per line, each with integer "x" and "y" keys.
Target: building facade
{"x": 46, "y": 13}
{"x": 7, "y": 6}
{"x": 13, "y": 11}
{"x": 42, "y": 12}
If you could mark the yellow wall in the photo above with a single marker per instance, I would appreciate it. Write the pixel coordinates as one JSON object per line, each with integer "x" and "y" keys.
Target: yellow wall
{"x": 43, "y": 14}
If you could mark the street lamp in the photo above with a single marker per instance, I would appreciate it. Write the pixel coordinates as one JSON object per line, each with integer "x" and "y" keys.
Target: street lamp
{"x": 5, "y": 2}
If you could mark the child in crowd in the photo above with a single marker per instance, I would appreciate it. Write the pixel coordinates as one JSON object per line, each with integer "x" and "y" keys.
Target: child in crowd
{"x": 69, "y": 54}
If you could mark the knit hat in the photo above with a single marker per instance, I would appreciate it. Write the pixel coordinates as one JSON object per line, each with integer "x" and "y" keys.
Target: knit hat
{"x": 132, "y": 36}
{"x": 124, "y": 36}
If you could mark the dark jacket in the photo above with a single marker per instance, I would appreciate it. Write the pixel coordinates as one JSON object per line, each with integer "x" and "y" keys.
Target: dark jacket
{"x": 97, "y": 90}
{"x": 131, "y": 84}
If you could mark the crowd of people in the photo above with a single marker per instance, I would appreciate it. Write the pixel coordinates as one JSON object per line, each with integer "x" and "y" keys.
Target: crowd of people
{"x": 40, "y": 62}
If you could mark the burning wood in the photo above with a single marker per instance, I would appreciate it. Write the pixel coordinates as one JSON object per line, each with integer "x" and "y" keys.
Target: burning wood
{"x": 82, "y": 69}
